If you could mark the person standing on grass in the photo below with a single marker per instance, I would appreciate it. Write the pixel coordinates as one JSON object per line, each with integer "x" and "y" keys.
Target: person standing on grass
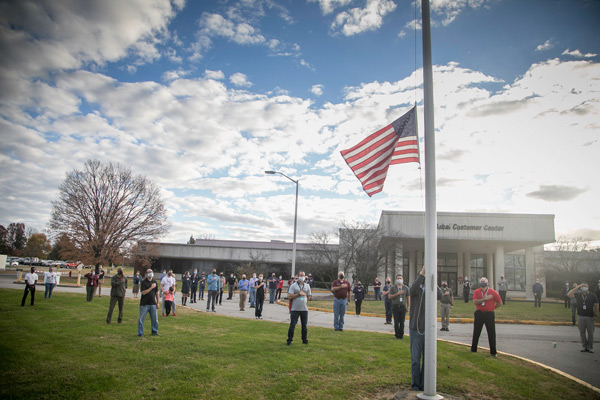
{"x": 587, "y": 312}
{"x": 92, "y": 282}
{"x": 186, "y": 282}
{"x": 299, "y": 294}
{"x": 502, "y": 288}
{"x": 259, "y": 285}
{"x": 466, "y": 289}
{"x": 566, "y": 292}
{"x": 377, "y": 289}
{"x": 252, "y": 291}
{"x": 400, "y": 296}
{"x": 194, "y": 286}
{"x": 49, "y": 282}
{"x": 148, "y": 303}
{"x": 118, "y": 287}
{"x": 538, "y": 290}
{"x": 31, "y": 279}
{"x": 446, "y": 304}
{"x": 169, "y": 300}
{"x": 342, "y": 294}
{"x": 165, "y": 284}
{"x": 574, "y": 304}
{"x": 212, "y": 285}
{"x": 486, "y": 300}
{"x": 137, "y": 279}
{"x": 359, "y": 296}
{"x": 100, "y": 274}
{"x": 244, "y": 288}
{"x": 417, "y": 330}
{"x": 387, "y": 302}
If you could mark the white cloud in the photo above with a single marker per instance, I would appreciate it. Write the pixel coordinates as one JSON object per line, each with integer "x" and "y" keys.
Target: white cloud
{"x": 358, "y": 20}
{"x": 317, "y": 90}
{"x": 578, "y": 54}
{"x": 327, "y": 6}
{"x": 217, "y": 75}
{"x": 239, "y": 79}
{"x": 547, "y": 45}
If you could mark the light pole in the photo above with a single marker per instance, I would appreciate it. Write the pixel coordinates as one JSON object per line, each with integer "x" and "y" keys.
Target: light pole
{"x": 295, "y": 219}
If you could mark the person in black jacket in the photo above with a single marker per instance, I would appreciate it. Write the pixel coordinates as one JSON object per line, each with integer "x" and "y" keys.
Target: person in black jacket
{"x": 417, "y": 330}
{"x": 359, "y": 295}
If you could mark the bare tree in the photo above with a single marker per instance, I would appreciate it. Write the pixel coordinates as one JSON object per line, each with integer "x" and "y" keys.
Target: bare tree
{"x": 103, "y": 207}
{"x": 322, "y": 260}
{"x": 359, "y": 251}
{"x": 257, "y": 259}
{"x": 571, "y": 254}
{"x": 142, "y": 255}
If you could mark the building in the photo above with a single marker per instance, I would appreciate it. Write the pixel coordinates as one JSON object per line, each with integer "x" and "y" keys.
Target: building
{"x": 469, "y": 244}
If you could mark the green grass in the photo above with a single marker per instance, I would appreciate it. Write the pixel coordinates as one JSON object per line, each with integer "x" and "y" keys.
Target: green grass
{"x": 62, "y": 348}
{"x": 513, "y": 310}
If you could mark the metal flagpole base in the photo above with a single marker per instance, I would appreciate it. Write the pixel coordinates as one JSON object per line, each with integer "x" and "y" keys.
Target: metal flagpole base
{"x": 427, "y": 397}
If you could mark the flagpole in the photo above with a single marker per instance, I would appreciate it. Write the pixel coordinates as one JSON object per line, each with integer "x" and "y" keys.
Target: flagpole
{"x": 430, "y": 358}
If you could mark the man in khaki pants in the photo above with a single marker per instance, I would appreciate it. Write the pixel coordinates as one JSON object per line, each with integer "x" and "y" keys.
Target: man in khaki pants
{"x": 446, "y": 304}
{"x": 243, "y": 288}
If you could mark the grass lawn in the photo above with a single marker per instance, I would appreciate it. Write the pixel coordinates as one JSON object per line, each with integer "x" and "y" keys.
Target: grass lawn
{"x": 513, "y": 310}
{"x": 62, "y": 348}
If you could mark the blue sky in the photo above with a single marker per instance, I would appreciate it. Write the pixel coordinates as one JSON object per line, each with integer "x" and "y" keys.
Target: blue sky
{"x": 203, "y": 96}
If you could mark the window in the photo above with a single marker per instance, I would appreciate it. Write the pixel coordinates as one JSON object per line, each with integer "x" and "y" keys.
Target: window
{"x": 478, "y": 268}
{"x": 514, "y": 271}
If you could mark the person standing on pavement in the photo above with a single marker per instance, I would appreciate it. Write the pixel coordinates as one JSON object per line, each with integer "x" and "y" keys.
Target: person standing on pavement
{"x": 587, "y": 312}
{"x": 377, "y": 289}
{"x": 279, "y": 288}
{"x": 400, "y": 296}
{"x": 311, "y": 282}
{"x": 252, "y": 293}
{"x": 299, "y": 294}
{"x": 202, "y": 285}
{"x": 387, "y": 302}
{"x": 446, "y": 304}
{"x": 243, "y": 287}
{"x": 342, "y": 294}
{"x": 90, "y": 286}
{"x": 49, "y": 282}
{"x": 31, "y": 279}
{"x": 417, "y": 330}
{"x": 538, "y": 290}
{"x": 137, "y": 279}
{"x": 502, "y": 288}
{"x": 466, "y": 289}
{"x": 118, "y": 287}
{"x": 486, "y": 300}
{"x": 273, "y": 282}
{"x": 195, "y": 278}
{"x": 212, "y": 285}
{"x": 148, "y": 303}
{"x": 259, "y": 285}
{"x": 230, "y": 286}
{"x": 186, "y": 284}
{"x": 573, "y": 304}
{"x": 100, "y": 274}
{"x": 359, "y": 296}
{"x": 222, "y": 282}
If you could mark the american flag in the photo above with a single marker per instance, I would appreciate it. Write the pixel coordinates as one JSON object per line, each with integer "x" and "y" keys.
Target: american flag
{"x": 396, "y": 143}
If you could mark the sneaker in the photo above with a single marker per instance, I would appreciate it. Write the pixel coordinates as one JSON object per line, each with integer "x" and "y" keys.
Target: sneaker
{"x": 289, "y": 343}
{"x": 305, "y": 342}
{"x": 174, "y": 314}
{"x": 590, "y": 350}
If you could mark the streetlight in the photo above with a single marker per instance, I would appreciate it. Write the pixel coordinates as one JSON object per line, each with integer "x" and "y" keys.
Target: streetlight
{"x": 295, "y": 219}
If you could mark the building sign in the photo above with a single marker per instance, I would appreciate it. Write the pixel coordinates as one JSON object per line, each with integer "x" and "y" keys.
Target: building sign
{"x": 457, "y": 227}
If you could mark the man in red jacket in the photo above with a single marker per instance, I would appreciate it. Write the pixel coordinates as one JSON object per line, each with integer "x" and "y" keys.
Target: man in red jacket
{"x": 486, "y": 300}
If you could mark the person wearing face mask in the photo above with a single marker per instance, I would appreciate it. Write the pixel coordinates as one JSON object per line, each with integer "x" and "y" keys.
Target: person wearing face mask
{"x": 587, "y": 312}
{"x": 243, "y": 287}
{"x": 202, "y": 285}
{"x": 195, "y": 278}
{"x": 342, "y": 294}
{"x": 222, "y": 282}
{"x": 573, "y": 305}
{"x": 186, "y": 283}
{"x": 212, "y": 283}
{"x": 538, "y": 290}
{"x": 273, "y": 281}
{"x": 299, "y": 294}
{"x": 486, "y": 300}
{"x": 118, "y": 287}
{"x": 446, "y": 304}
{"x": 148, "y": 303}
{"x": 252, "y": 281}
{"x": 359, "y": 295}
{"x": 400, "y": 296}
{"x": 165, "y": 284}
{"x": 259, "y": 285}
{"x": 502, "y": 288}
{"x": 49, "y": 282}
{"x": 279, "y": 288}
{"x": 230, "y": 286}
{"x": 387, "y": 302}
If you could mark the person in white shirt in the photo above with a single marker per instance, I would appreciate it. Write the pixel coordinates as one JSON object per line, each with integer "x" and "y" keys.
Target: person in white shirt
{"x": 30, "y": 281}
{"x": 49, "y": 282}
{"x": 165, "y": 284}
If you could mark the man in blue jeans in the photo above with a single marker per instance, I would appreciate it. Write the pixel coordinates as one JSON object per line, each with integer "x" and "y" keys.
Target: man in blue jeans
{"x": 417, "y": 330}
{"x": 341, "y": 293}
{"x": 148, "y": 303}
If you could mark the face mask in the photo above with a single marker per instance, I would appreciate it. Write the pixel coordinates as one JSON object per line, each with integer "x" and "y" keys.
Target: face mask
{"x": 150, "y": 275}
{"x": 341, "y": 277}
{"x": 301, "y": 279}
{"x": 444, "y": 285}
{"x": 584, "y": 289}
{"x": 483, "y": 284}
{"x": 399, "y": 281}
